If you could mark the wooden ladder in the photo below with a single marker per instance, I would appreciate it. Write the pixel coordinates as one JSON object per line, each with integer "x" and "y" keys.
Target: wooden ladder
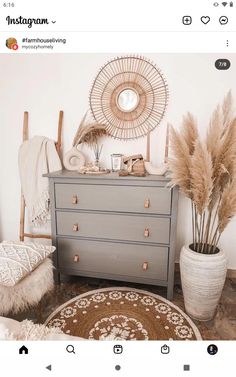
{"x": 22, "y": 202}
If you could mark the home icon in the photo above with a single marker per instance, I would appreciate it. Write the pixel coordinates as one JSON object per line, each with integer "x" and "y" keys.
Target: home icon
{"x": 23, "y": 350}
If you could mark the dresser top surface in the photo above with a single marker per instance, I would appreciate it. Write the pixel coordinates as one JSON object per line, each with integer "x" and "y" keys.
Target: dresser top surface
{"x": 110, "y": 176}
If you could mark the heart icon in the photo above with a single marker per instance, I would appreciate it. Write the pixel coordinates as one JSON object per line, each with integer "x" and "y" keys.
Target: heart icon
{"x": 205, "y": 19}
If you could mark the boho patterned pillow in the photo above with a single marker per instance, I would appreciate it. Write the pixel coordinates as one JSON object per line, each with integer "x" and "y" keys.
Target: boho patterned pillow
{"x": 18, "y": 259}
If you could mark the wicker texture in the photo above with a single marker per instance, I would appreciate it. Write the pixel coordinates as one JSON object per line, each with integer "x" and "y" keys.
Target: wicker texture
{"x": 139, "y": 75}
{"x": 123, "y": 314}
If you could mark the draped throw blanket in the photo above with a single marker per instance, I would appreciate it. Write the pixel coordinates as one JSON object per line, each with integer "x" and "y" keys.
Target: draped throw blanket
{"x": 37, "y": 156}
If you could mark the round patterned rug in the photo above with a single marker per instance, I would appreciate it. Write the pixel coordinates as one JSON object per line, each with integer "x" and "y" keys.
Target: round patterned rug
{"x": 123, "y": 314}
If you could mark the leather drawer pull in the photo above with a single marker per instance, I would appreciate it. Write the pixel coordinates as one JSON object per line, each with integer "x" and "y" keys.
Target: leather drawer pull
{"x": 75, "y": 228}
{"x": 146, "y": 232}
{"x": 145, "y": 266}
{"x": 76, "y": 258}
{"x": 147, "y": 203}
{"x": 74, "y": 199}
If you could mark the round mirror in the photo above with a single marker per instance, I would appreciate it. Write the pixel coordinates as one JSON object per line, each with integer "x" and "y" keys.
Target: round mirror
{"x": 129, "y": 97}
{"x": 127, "y": 100}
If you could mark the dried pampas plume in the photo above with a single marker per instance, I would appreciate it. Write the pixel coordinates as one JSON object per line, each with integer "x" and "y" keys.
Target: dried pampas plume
{"x": 227, "y": 207}
{"x": 227, "y": 108}
{"x": 214, "y": 132}
{"x": 201, "y": 176}
{"x": 88, "y": 133}
{"x": 206, "y": 173}
{"x": 180, "y": 164}
{"x": 190, "y": 131}
{"x": 227, "y": 148}
{"x": 224, "y": 161}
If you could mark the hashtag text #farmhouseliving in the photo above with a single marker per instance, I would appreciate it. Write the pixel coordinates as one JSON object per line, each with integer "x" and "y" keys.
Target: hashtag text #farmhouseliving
{"x": 26, "y": 21}
{"x": 44, "y": 40}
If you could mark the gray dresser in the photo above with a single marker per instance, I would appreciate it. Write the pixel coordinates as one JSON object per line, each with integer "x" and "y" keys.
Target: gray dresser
{"x": 112, "y": 227}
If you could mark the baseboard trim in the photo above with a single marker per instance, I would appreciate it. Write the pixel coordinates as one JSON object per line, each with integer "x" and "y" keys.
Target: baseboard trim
{"x": 230, "y": 272}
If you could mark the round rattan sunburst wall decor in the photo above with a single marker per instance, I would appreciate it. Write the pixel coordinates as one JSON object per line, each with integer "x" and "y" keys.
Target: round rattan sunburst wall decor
{"x": 129, "y": 96}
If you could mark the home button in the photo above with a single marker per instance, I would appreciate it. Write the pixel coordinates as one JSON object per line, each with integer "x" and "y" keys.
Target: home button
{"x": 23, "y": 350}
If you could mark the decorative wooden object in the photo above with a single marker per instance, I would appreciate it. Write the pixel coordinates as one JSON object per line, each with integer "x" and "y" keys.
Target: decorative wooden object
{"x": 23, "y": 234}
{"x": 135, "y": 165}
{"x": 59, "y": 132}
{"x": 129, "y": 97}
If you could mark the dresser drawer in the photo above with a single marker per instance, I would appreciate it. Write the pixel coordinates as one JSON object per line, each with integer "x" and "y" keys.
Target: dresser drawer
{"x": 113, "y": 258}
{"x": 113, "y": 198}
{"x": 115, "y": 227}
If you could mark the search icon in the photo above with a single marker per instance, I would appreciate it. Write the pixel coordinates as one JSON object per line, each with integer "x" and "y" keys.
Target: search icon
{"x": 70, "y": 349}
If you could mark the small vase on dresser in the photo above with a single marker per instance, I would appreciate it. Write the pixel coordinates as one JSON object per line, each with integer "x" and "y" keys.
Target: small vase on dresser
{"x": 120, "y": 228}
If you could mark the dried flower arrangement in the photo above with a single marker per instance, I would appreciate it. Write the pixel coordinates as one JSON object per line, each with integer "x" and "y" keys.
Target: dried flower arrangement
{"x": 88, "y": 133}
{"x": 205, "y": 171}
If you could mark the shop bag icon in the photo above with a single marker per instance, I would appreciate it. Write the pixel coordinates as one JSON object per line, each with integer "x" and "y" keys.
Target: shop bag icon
{"x": 165, "y": 349}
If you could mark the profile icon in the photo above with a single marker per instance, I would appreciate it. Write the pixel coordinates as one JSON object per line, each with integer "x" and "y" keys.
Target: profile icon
{"x": 11, "y": 43}
{"x": 212, "y": 349}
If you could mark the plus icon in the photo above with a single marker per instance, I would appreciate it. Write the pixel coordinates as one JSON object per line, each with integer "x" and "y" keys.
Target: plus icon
{"x": 187, "y": 20}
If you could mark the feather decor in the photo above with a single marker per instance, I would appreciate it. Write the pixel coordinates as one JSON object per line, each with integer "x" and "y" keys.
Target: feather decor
{"x": 205, "y": 171}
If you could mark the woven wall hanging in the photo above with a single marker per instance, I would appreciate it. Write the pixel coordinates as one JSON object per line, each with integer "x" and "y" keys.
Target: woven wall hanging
{"x": 129, "y": 97}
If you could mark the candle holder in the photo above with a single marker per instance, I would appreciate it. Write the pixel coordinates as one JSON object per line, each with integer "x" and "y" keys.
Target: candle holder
{"x": 116, "y": 161}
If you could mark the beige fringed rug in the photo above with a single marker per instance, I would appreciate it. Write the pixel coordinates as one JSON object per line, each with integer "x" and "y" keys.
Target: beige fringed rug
{"x": 123, "y": 314}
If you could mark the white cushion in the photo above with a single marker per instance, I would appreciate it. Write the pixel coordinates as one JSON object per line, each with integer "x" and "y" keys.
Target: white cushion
{"x": 29, "y": 291}
{"x": 18, "y": 259}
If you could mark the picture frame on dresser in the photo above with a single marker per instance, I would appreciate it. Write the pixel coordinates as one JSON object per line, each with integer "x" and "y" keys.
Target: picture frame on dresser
{"x": 112, "y": 227}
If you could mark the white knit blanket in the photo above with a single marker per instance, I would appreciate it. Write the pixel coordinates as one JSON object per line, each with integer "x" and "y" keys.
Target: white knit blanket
{"x": 37, "y": 156}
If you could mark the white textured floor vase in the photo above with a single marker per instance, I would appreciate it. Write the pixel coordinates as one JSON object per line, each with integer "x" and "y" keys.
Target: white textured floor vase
{"x": 203, "y": 277}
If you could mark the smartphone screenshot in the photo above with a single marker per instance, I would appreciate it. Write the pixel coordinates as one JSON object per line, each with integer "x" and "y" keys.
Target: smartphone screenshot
{"x": 118, "y": 188}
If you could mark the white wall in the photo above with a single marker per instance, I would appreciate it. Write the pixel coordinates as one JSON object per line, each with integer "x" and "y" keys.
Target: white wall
{"x": 45, "y": 84}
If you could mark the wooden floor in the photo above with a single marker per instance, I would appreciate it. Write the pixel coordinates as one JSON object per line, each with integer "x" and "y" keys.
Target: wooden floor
{"x": 222, "y": 327}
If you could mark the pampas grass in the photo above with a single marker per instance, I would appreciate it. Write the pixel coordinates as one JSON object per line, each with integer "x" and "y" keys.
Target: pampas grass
{"x": 201, "y": 176}
{"x": 227, "y": 108}
{"x": 205, "y": 171}
{"x": 190, "y": 131}
{"x": 214, "y": 132}
{"x": 88, "y": 133}
{"x": 180, "y": 165}
{"x": 227, "y": 208}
